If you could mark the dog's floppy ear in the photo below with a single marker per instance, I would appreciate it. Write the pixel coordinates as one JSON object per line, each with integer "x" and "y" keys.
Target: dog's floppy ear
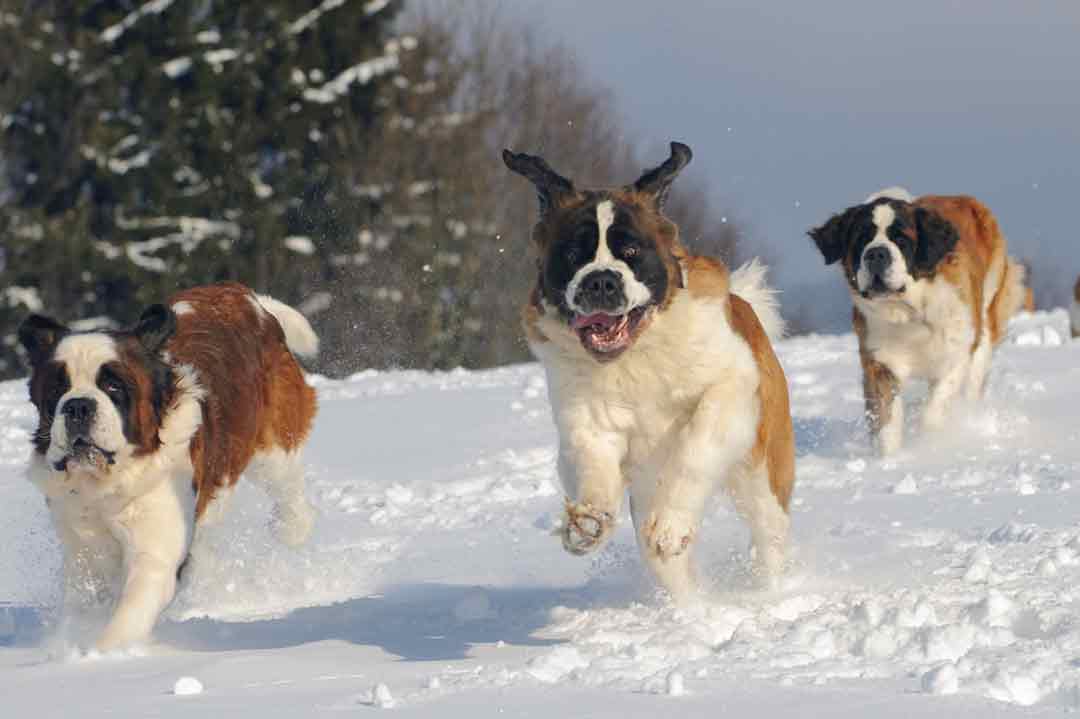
{"x": 937, "y": 238}
{"x": 550, "y": 185}
{"x": 657, "y": 181}
{"x": 156, "y": 325}
{"x": 39, "y": 336}
{"x": 833, "y": 237}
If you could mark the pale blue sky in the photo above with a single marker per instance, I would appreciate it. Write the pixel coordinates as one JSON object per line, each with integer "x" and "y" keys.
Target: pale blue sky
{"x": 798, "y": 109}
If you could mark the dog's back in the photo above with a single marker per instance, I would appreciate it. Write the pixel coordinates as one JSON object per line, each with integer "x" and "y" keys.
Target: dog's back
{"x": 255, "y": 398}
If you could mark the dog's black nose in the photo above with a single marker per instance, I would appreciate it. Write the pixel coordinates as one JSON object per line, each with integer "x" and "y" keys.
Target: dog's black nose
{"x": 877, "y": 260}
{"x": 601, "y": 291}
{"x": 79, "y": 414}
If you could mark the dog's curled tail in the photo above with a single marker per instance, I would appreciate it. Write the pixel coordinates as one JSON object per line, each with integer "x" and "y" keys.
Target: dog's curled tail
{"x": 748, "y": 282}
{"x": 299, "y": 336}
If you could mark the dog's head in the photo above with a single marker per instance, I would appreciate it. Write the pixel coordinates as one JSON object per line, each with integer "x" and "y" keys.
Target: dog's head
{"x": 885, "y": 245}
{"x": 608, "y": 258}
{"x": 100, "y": 396}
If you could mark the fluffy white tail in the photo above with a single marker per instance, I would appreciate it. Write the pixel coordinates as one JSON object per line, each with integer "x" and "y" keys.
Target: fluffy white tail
{"x": 749, "y": 283}
{"x": 299, "y": 336}
{"x": 892, "y": 193}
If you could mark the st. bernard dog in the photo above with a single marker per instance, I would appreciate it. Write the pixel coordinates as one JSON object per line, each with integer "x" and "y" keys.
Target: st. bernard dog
{"x": 1074, "y": 311}
{"x": 661, "y": 374}
{"x": 933, "y": 290}
{"x": 140, "y": 429}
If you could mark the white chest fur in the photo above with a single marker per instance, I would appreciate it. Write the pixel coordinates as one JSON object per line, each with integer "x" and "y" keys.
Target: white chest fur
{"x": 649, "y": 393}
{"x": 924, "y": 334}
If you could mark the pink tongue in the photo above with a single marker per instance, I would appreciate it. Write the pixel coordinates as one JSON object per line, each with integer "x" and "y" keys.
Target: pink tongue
{"x": 604, "y": 320}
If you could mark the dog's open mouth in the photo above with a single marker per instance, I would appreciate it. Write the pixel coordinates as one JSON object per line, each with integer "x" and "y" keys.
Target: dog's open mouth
{"x": 86, "y": 453}
{"x": 605, "y": 335}
{"x": 878, "y": 288}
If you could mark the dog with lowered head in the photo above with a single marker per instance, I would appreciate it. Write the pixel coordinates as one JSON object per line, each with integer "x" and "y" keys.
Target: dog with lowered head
{"x": 140, "y": 430}
{"x": 661, "y": 373}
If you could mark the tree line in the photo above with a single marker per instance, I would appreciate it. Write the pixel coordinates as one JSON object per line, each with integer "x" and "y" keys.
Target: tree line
{"x": 341, "y": 155}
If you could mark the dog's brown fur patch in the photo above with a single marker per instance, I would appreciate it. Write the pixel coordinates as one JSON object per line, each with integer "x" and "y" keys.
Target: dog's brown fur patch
{"x": 981, "y": 250}
{"x": 709, "y": 278}
{"x": 256, "y": 397}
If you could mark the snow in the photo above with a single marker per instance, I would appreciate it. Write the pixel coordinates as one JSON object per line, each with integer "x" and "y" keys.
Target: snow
{"x": 300, "y": 244}
{"x": 189, "y": 233}
{"x": 177, "y": 67}
{"x": 26, "y": 297}
{"x": 944, "y": 581}
{"x": 312, "y": 16}
{"x": 155, "y": 7}
{"x": 359, "y": 74}
{"x": 187, "y": 686}
{"x": 220, "y": 56}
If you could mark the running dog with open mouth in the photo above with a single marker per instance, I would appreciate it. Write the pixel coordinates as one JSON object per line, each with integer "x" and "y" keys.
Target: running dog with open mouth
{"x": 140, "y": 430}
{"x": 661, "y": 373}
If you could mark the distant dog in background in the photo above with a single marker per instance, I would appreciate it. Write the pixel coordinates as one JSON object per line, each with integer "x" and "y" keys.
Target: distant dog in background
{"x": 933, "y": 289}
{"x": 661, "y": 373}
{"x": 139, "y": 429}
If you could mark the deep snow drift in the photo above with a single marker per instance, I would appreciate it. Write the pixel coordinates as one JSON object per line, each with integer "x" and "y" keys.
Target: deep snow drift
{"x": 943, "y": 581}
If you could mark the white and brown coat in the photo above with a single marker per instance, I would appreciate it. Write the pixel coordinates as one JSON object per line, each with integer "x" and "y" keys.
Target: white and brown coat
{"x": 693, "y": 399}
{"x": 140, "y": 430}
{"x": 932, "y": 304}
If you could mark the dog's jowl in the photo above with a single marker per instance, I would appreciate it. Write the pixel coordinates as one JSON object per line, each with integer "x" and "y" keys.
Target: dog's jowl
{"x": 139, "y": 430}
{"x": 660, "y": 370}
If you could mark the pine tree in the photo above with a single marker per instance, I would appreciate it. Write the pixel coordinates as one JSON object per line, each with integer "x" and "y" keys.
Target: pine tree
{"x": 171, "y": 142}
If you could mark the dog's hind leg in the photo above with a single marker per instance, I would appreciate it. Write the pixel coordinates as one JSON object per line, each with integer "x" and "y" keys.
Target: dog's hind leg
{"x": 769, "y": 523}
{"x": 281, "y": 475}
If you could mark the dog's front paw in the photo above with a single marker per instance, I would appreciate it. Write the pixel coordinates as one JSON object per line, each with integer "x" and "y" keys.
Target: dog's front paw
{"x": 668, "y": 533}
{"x": 586, "y": 527}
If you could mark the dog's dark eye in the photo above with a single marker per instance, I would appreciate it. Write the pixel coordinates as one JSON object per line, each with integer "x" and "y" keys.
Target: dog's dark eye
{"x": 630, "y": 251}
{"x": 112, "y": 385}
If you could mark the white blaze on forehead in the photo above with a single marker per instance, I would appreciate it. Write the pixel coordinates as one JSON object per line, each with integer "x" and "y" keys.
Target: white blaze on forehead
{"x": 897, "y": 275}
{"x": 884, "y": 216}
{"x": 182, "y": 308}
{"x": 636, "y": 292}
{"x": 84, "y": 354}
{"x": 605, "y": 218}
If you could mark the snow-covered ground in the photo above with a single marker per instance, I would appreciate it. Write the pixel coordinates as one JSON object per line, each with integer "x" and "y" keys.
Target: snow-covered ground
{"x": 943, "y": 582}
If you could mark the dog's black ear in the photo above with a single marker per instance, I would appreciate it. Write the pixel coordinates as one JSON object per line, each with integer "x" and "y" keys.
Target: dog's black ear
{"x": 657, "y": 181}
{"x": 154, "y": 328}
{"x": 937, "y": 238}
{"x": 833, "y": 237}
{"x": 39, "y": 336}
{"x": 550, "y": 185}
